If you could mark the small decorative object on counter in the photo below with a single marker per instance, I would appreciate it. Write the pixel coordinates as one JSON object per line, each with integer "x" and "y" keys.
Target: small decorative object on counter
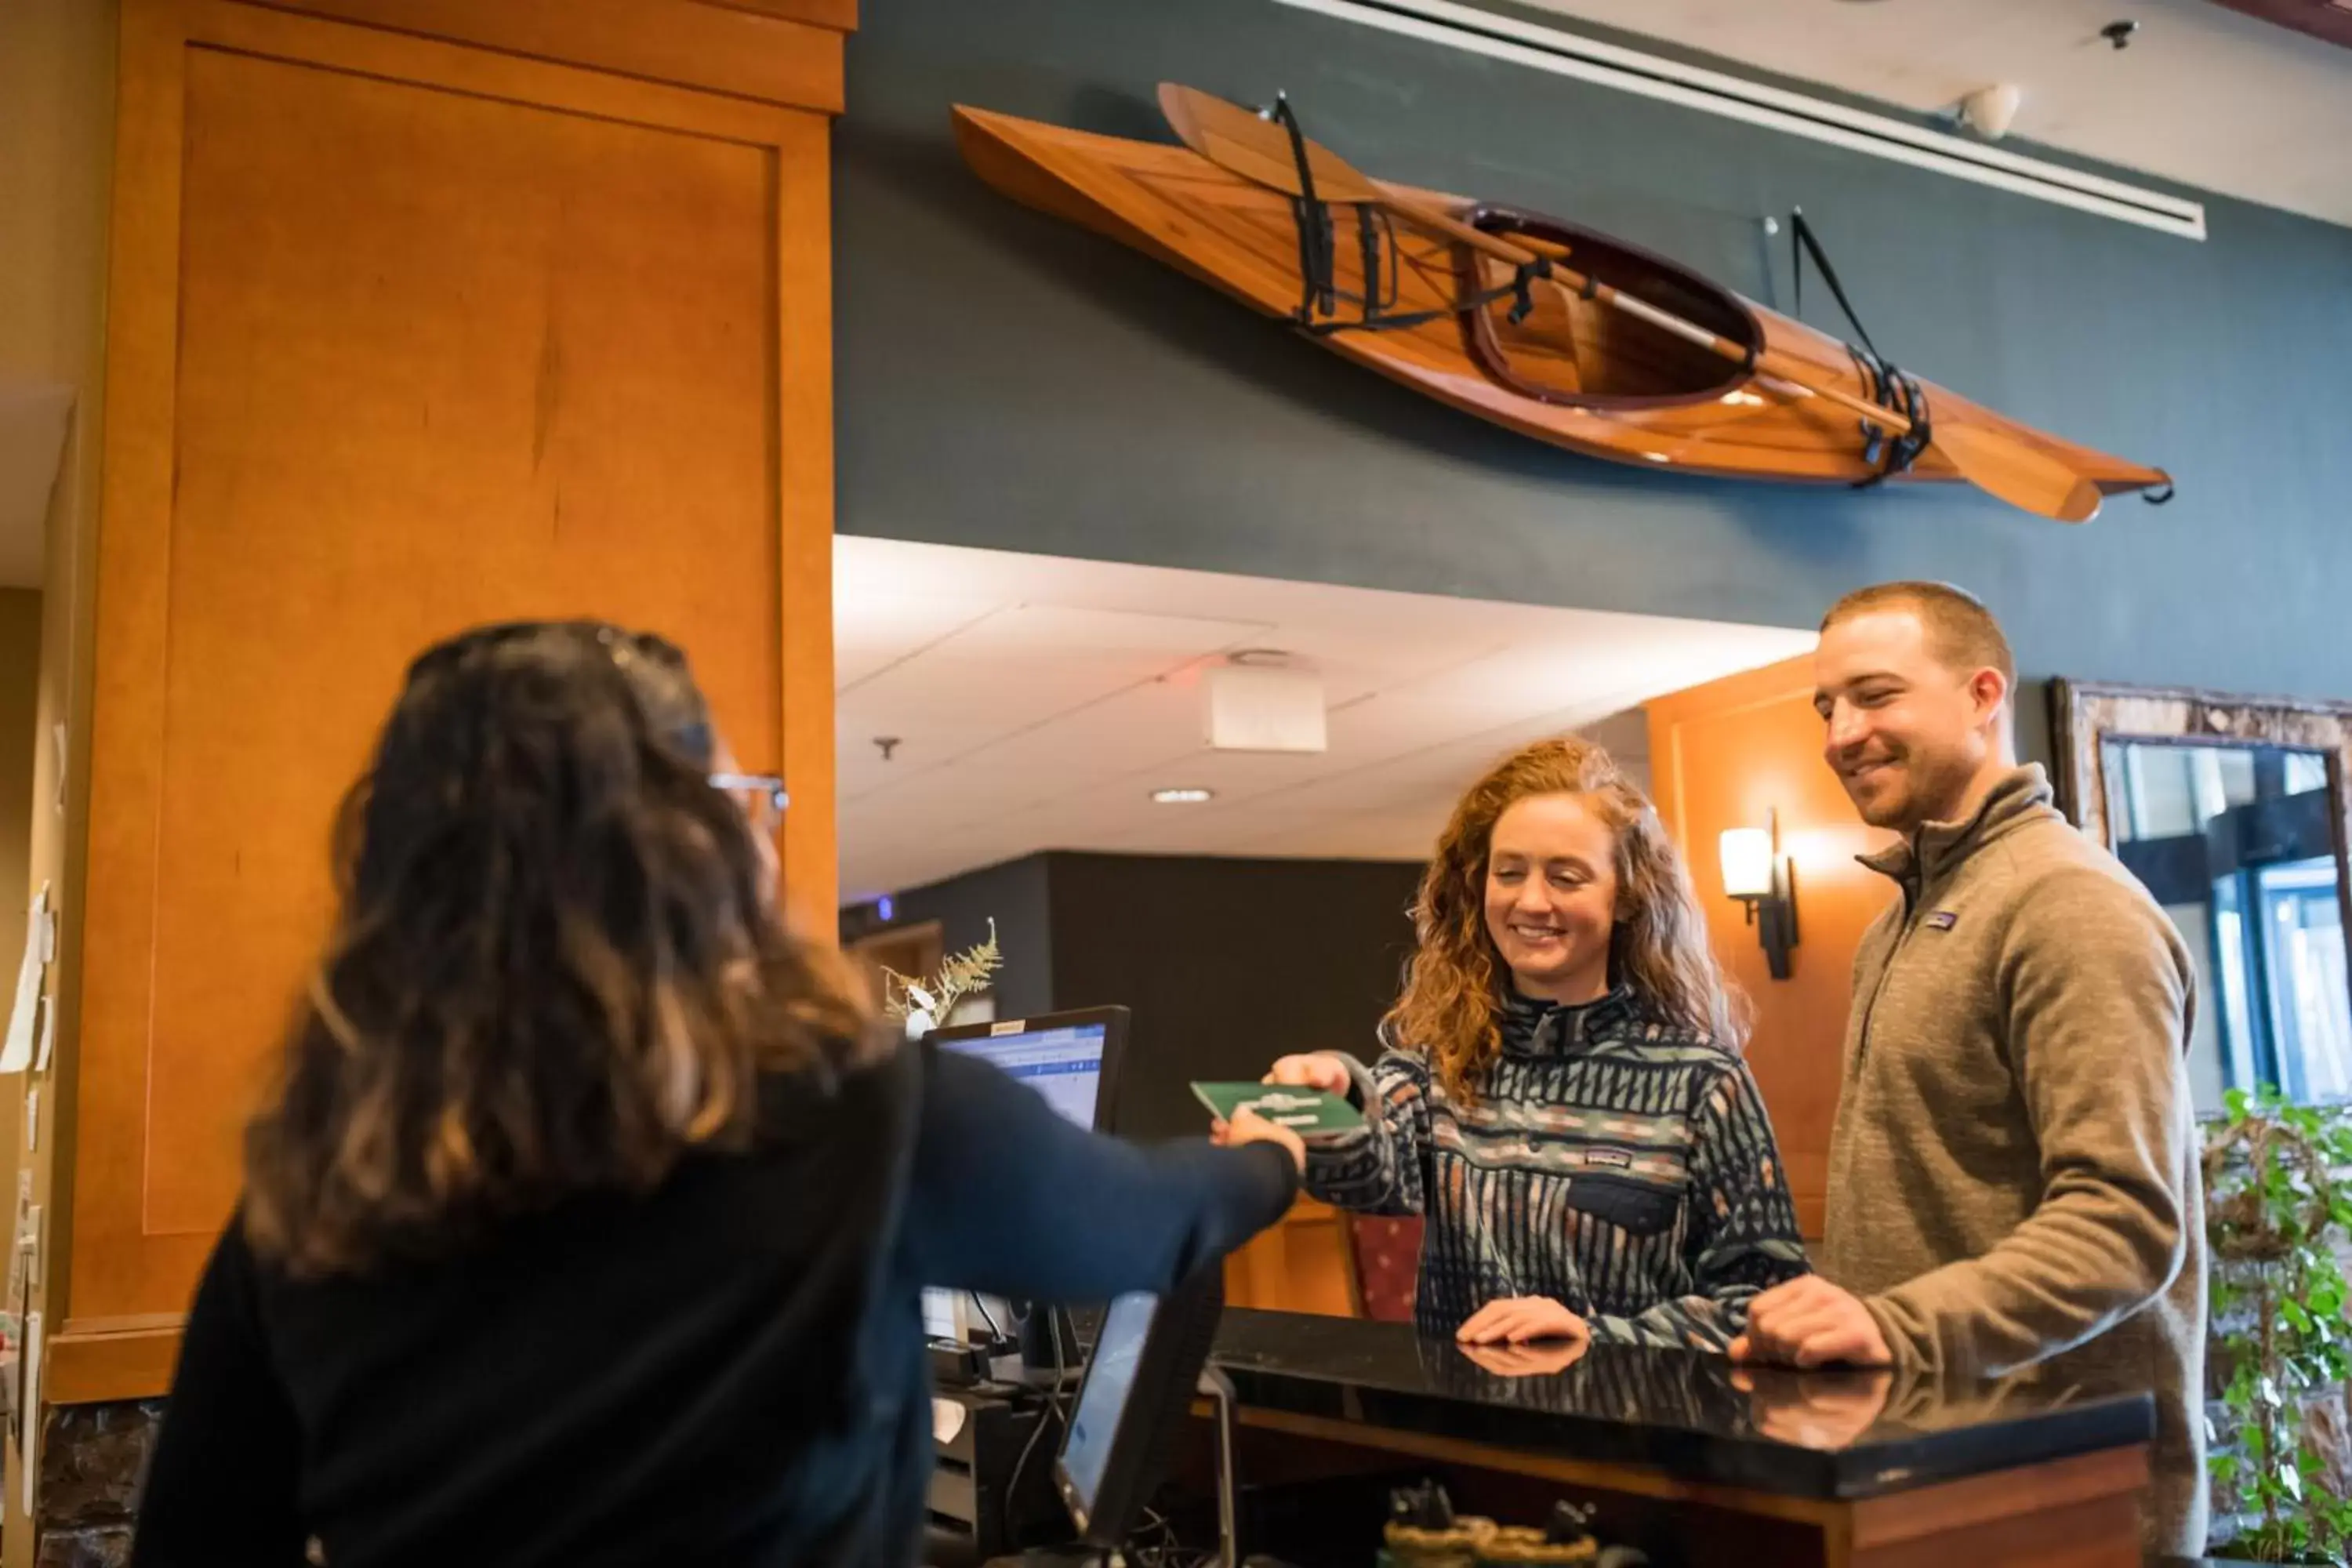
{"x": 924, "y": 1005}
{"x": 1518, "y": 1546}
{"x": 1564, "y": 1540}
{"x": 1424, "y": 1531}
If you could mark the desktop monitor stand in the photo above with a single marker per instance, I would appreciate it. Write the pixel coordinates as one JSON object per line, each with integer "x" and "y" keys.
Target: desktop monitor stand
{"x": 1220, "y": 1390}
{"x": 1050, "y": 1351}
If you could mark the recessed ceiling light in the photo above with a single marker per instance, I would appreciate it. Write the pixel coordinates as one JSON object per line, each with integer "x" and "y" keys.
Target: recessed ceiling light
{"x": 1189, "y": 796}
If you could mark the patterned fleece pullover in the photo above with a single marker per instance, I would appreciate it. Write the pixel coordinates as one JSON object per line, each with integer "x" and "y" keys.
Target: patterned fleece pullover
{"x": 1622, "y": 1166}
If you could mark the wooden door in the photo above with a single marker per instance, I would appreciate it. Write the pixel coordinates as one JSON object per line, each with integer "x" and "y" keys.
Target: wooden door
{"x": 1727, "y": 754}
{"x": 409, "y": 334}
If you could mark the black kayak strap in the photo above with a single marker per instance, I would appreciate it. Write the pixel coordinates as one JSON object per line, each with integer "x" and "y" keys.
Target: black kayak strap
{"x": 1802, "y": 243}
{"x": 1321, "y": 295}
{"x": 1313, "y": 221}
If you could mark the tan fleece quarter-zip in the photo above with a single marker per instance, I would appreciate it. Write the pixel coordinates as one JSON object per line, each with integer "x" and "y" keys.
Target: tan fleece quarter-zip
{"x": 2014, "y": 1169}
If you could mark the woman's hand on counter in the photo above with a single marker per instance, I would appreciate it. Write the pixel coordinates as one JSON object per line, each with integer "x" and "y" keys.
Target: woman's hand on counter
{"x": 1541, "y": 1359}
{"x": 1248, "y": 1127}
{"x": 1314, "y": 1069}
{"x": 1515, "y": 1320}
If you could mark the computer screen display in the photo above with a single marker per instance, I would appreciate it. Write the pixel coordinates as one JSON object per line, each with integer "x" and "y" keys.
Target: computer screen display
{"x": 1063, "y": 1062}
{"x": 1070, "y": 1059}
{"x": 1110, "y": 1379}
{"x": 1139, "y": 1383}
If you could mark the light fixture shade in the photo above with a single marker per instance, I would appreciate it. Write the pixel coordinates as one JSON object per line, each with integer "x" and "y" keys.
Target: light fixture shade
{"x": 1747, "y": 862}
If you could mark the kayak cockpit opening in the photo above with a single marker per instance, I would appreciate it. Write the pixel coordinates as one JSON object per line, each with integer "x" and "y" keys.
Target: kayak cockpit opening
{"x": 1571, "y": 349}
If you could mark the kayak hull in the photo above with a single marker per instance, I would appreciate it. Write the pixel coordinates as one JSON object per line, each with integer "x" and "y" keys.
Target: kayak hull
{"x": 1573, "y": 372}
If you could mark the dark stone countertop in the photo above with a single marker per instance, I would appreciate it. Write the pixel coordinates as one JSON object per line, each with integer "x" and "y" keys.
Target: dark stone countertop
{"x": 1827, "y": 1435}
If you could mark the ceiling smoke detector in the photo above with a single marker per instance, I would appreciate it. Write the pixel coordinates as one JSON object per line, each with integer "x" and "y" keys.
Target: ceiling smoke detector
{"x": 1990, "y": 112}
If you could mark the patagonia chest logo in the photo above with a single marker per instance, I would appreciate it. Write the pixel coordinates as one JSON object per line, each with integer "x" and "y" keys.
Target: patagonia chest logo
{"x": 1942, "y": 920}
{"x": 1607, "y": 1159}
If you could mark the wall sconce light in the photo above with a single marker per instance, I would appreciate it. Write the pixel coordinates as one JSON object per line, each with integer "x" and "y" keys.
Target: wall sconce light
{"x": 1756, "y": 874}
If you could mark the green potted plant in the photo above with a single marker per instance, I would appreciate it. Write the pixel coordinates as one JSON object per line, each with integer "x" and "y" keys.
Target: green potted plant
{"x": 2275, "y": 1210}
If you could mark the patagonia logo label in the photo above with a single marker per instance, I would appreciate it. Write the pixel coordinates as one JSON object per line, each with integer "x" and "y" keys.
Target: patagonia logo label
{"x": 1608, "y": 1159}
{"x": 1942, "y": 920}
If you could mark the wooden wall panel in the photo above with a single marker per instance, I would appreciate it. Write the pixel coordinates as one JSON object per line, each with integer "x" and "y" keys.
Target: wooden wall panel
{"x": 407, "y": 336}
{"x": 785, "y": 52}
{"x": 1724, "y": 756}
{"x": 1298, "y": 1264}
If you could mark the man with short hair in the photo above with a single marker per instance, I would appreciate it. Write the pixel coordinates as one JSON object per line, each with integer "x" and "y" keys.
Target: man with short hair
{"x": 2014, "y": 1169}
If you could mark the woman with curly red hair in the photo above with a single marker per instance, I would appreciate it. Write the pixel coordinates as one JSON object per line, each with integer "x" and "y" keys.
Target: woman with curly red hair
{"x": 1562, "y": 1093}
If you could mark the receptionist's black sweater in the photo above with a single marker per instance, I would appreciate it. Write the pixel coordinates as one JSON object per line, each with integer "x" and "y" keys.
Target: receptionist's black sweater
{"x": 727, "y": 1370}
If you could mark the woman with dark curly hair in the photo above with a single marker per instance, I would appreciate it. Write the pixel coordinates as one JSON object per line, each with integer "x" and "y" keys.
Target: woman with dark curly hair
{"x": 1561, "y": 1095}
{"x": 588, "y": 1220}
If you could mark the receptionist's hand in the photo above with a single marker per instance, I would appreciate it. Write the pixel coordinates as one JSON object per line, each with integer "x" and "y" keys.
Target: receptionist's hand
{"x": 1248, "y": 1127}
{"x": 1810, "y": 1322}
{"x": 1316, "y": 1070}
{"x": 1515, "y": 1320}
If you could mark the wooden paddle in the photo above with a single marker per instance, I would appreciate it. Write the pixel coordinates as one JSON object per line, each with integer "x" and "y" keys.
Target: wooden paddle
{"x": 1998, "y": 464}
{"x": 1260, "y": 151}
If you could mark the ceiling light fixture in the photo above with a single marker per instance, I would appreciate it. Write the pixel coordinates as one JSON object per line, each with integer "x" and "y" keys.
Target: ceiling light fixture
{"x": 1190, "y": 796}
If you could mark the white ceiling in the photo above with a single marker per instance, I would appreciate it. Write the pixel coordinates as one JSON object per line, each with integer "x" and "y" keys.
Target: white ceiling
{"x": 1039, "y": 701}
{"x": 2203, "y": 95}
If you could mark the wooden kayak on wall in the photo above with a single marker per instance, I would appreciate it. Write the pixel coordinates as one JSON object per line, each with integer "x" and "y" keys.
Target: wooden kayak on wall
{"x": 1571, "y": 371}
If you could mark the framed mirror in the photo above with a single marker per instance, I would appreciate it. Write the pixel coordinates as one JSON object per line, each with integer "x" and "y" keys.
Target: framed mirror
{"x": 2232, "y": 810}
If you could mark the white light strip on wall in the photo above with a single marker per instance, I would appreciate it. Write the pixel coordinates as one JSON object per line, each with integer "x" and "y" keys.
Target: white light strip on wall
{"x": 1566, "y": 53}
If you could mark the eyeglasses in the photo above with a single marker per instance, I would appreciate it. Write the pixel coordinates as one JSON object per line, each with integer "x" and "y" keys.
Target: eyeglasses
{"x": 762, "y": 795}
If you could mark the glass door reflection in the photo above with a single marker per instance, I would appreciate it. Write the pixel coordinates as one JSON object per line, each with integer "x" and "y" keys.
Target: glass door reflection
{"x": 2239, "y": 842}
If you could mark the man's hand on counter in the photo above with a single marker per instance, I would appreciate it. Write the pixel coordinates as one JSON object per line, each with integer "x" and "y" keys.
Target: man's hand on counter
{"x": 1515, "y": 1320}
{"x": 1818, "y": 1410}
{"x": 1810, "y": 1322}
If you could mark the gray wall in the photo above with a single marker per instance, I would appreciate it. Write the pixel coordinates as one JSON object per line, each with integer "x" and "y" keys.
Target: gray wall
{"x": 1226, "y": 962}
{"x": 1008, "y": 381}
{"x": 1014, "y": 896}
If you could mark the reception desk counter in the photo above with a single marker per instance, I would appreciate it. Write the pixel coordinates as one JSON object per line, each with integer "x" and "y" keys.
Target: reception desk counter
{"x": 1696, "y": 1461}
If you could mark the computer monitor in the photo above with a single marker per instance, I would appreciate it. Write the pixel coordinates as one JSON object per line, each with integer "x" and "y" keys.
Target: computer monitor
{"x": 1139, "y": 1383}
{"x": 1072, "y": 1058}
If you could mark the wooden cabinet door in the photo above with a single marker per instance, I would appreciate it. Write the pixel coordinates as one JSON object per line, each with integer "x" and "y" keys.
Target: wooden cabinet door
{"x": 405, "y": 335}
{"x": 1730, "y": 754}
